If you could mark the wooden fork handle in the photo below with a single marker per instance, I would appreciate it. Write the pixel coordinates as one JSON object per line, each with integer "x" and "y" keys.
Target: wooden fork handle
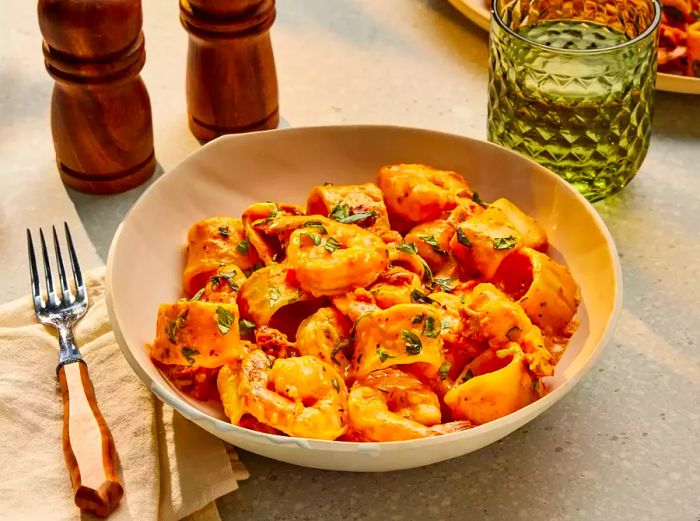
{"x": 88, "y": 446}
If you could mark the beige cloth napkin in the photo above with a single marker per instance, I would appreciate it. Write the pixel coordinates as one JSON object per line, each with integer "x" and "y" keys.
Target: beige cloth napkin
{"x": 171, "y": 468}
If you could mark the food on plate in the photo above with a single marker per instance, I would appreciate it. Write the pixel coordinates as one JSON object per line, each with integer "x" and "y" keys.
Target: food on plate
{"x": 679, "y": 37}
{"x": 388, "y": 312}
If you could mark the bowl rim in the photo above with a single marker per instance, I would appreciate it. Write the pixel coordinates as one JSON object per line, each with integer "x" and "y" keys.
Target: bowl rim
{"x": 172, "y": 397}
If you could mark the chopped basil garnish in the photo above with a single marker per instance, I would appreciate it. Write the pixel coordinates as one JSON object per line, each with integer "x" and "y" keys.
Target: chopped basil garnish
{"x": 314, "y": 238}
{"x": 337, "y": 348}
{"x": 444, "y": 369}
{"x": 513, "y": 333}
{"x": 243, "y": 246}
{"x": 223, "y": 231}
{"x": 315, "y": 224}
{"x": 468, "y": 376}
{"x": 331, "y": 245}
{"x": 407, "y": 247}
{"x": 446, "y": 285}
{"x": 429, "y": 328}
{"x": 335, "y": 384}
{"x": 341, "y": 213}
{"x": 274, "y": 295}
{"x": 479, "y": 200}
{"x": 427, "y": 272}
{"x": 197, "y": 295}
{"x": 417, "y": 319}
{"x": 504, "y": 243}
{"x": 171, "y": 331}
{"x": 412, "y": 342}
{"x": 382, "y": 354}
{"x": 431, "y": 241}
{"x": 420, "y": 297}
{"x": 224, "y": 319}
{"x": 357, "y": 217}
{"x": 246, "y": 326}
{"x": 189, "y": 353}
{"x": 463, "y": 239}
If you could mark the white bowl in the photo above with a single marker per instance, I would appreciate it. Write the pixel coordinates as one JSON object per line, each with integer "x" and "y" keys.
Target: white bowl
{"x": 222, "y": 178}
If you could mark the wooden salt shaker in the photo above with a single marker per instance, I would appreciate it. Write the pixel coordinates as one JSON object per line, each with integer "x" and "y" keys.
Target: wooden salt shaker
{"x": 100, "y": 110}
{"x": 231, "y": 79}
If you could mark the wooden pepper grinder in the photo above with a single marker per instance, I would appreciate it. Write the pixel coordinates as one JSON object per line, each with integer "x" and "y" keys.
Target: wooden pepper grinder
{"x": 100, "y": 110}
{"x": 231, "y": 79}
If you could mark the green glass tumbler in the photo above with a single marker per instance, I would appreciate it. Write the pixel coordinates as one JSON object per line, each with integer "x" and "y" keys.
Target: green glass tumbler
{"x": 571, "y": 85}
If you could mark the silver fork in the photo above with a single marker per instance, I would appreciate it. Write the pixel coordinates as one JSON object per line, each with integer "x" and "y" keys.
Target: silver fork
{"x": 88, "y": 446}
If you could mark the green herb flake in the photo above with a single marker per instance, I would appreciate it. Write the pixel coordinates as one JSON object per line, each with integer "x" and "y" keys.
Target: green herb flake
{"x": 189, "y": 353}
{"x": 224, "y": 319}
{"x": 446, "y": 285}
{"x": 445, "y": 324}
{"x": 171, "y": 331}
{"x": 313, "y": 237}
{"x": 407, "y": 247}
{"x": 412, "y": 342}
{"x": 246, "y": 326}
{"x": 335, "y": 384}
{"x": 504, "y": 243}
{"x": 331, "y": 245}
{"x": 427, "y": 272}
{"x": 431, "y": 241}
{"x": 339, "y": 211}
{"x": 463, "y": 239}
{"x": 318, "y": 225}
{"x": 419, "y": 297}
{"x": 429, "y": 329}
{"x": 513, "y": 333}
{"x": 197, "y": 295}
{"x": 444, "y": 369}
{"x": 357, "y": 217}
{"x": 337, "y": 349}
{"x": 223, "y": 231}
{"x": 468, "y": 375}
{"x": 382, "y": 354}
{"x": 418, "y": 319}
{"x": 243, "y": 247}
{"x": 478, "y": 200}
{"x": 274, "y": 295}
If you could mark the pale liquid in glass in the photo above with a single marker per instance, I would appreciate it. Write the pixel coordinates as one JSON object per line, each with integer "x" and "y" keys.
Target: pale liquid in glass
{"x": 586, "y": 117}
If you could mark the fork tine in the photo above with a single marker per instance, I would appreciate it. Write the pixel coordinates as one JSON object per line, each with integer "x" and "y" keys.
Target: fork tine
{"x": 66, "y": 295}
{"x": 33, "y": 274}
{"x": 75, "y": 266}
{"x": 51, "y": 297}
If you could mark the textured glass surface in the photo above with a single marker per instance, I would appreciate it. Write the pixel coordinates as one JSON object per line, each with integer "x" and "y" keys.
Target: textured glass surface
{"x": 569, "y": 88}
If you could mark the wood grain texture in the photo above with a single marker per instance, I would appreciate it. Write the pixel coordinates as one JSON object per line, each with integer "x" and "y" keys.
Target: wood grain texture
{"x": 88, "y": 446}
{"x": 231, "y": 78}
{"x": 100, "y": 109}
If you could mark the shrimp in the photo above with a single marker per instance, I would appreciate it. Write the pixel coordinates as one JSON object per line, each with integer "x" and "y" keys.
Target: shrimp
{"x": 419, "y": 193}
{"x": 302, "y": 396}
{"x": 371, "y": 419}
{"x": 491, "y": 316}
{"x": 325, "y": 335}
{"x": 485, "y": 397}
{"x": 405, "y": 395}
{"x": 394, "y": 286}
{"x": 335, "y": 258}
{"x": 402, "y": 334}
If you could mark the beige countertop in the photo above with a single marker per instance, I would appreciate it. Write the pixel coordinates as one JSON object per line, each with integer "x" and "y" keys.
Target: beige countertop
{"x": 622, "y": 445}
